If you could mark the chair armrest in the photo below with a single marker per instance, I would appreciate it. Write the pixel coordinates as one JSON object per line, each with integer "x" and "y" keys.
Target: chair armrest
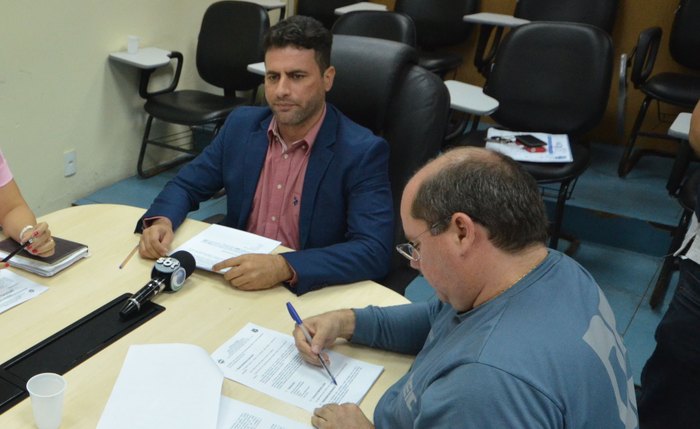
{"x": 146, "y": 76}
{"x": 644, "y": 55}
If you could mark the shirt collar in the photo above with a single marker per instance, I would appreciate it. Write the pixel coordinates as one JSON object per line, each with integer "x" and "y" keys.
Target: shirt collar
{"x": 308, "y": 140}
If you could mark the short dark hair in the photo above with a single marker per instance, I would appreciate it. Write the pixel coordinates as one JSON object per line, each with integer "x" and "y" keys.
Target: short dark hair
{"x": 494, "y": 191}
{"x": 302, "y": 32}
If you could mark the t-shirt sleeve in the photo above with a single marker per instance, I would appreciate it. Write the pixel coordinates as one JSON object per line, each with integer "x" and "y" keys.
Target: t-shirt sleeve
{"x": 483, "y": 397}
{"x": 5, "y": 173}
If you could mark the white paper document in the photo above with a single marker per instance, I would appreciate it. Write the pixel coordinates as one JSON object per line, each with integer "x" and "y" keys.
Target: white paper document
{"x": 558, "y": 148}
{"x": 239, "y": 415}
{"x": 165, "y": 386}
{"x": 218, "y": 242}
{"x": 268, "y": 361}
{"x": 15, "y": 289}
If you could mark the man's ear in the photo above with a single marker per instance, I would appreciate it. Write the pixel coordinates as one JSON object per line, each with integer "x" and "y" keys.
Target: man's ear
{"x": 466, "y": 229}
{"x": 328, "y": 77}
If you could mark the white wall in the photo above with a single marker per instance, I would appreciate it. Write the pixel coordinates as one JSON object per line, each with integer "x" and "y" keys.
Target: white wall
{"x": 59, "y": 91}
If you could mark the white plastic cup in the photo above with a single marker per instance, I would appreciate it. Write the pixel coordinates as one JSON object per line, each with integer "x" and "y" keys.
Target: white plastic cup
{"x": 132, "y": 44}
{"x": 46, "y": 391}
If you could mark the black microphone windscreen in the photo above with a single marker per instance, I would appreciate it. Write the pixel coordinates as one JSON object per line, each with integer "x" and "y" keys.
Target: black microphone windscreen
{"x": 186, "y": 261}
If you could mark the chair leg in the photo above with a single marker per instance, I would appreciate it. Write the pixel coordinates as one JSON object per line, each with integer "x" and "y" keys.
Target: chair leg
{"x": 680, "y": 166}
{"x": 625, "y": 163}
{"x": 657, "y": 295}
{"x": 144, "y": 143}
{"x": 558, "y": 214}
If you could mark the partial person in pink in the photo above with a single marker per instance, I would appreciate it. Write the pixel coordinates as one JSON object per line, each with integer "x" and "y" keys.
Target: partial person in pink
{"x": 18, "y": 220}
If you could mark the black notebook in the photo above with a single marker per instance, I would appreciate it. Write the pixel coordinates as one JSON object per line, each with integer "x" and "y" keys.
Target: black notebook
{"x": 67, "y": 253}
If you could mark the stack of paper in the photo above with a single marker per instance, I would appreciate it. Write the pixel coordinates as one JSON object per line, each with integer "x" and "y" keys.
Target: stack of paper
{"x": 217, "y": 243}
{"x": 15, "y": 289}
{"x": 67, "y": 252}
{"x": 558, "y": 148}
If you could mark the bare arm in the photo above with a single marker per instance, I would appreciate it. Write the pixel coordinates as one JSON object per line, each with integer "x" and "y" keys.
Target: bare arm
{"x": 15, "y": 215}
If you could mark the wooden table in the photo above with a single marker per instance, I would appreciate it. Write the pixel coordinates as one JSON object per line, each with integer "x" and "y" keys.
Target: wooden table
{"x": 206, "y": 312}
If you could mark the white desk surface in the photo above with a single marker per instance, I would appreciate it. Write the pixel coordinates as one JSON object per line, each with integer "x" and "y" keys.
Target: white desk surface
{"x": 470, "y": 98}
{"x": 270, "y": 4}
{"x": 257, "y": 68}
{"x": 363, "y": 5}
{"x": 680, "y": 128}
{"x": 144, "y": 58}
{"x": 496, "y": 19}
{"x": 206, "y": 312}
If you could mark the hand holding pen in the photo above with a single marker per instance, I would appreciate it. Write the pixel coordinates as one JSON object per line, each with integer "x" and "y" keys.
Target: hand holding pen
{"x": 307, "y": 336}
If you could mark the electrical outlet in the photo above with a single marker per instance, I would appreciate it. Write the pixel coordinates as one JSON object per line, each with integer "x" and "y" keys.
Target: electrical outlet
{"x": 70, "y": 163}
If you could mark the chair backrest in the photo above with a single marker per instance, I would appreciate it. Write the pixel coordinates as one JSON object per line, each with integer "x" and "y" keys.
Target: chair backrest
{"x": 439, "y": 22}
{"x": 322, "y": 10}
{"x": 378, "y": 24}
{"x": 552, "y": 77}
{"x": 600, "y": 13}
{"x": 230, "y": 38}
{"x": 684, "y": 42}
{"x": 379, "y": 85}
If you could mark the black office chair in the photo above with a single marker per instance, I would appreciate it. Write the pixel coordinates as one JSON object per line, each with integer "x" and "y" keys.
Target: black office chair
{"x": 439, "y": 26}
{"x": 600, "y": 13}
{"x": 552, "y": 77}
{"x": 678, "y": 89}
{"x": 378, "y": 24}
{"x": 230, "y": 38}
{"x": 379, "y": 85}
{"x": 322, "y": 10}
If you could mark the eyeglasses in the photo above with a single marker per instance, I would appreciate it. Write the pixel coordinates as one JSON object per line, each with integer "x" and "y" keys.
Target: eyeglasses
{"x": 410, "y": 250}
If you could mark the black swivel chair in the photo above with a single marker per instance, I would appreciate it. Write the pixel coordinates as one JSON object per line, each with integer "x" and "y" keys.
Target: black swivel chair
{"x": 230, "y": 38}
{"x": 678, "y": 89}
{"x": 378, "y": 24}
{"x": 439, "y": 26}
{"x": 600, "y": 13}
{"x": 322, "y": 10}
{"x": 379, "y": 85}
{"x": 552, "y": 77}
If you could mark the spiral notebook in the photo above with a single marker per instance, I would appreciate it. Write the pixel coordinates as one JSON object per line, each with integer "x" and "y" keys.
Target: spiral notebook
{"x": 67, "y": 253}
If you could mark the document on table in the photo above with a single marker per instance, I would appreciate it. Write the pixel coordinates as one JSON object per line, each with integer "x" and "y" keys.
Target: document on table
{"x": 218, "y": 242}
{"x": 164, "y": 386}
{"x": 268, "y": 361}
{"x": 239, "y": 415}
{"x": 15, "y": 289}
{"x": 558, "y": 148}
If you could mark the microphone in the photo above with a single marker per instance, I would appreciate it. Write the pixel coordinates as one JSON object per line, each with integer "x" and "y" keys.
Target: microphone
{"x": 169, "y": 273}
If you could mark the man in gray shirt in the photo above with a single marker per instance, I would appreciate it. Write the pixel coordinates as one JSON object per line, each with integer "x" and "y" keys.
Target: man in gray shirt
{"x": 519, "y": 335}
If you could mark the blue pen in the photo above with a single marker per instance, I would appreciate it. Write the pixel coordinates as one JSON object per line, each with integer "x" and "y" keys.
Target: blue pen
{"x": 300, "y": 324}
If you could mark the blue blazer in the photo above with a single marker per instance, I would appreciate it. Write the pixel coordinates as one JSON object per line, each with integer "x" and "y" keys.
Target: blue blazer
{"x": 346, "y": 219}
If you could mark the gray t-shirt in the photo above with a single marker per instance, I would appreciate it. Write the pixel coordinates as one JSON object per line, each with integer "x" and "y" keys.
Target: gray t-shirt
{"x": 544, "y": 354}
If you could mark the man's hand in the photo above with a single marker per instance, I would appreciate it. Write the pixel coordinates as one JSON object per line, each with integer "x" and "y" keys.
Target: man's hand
{"x": 324, "y": 329}
{"x": 346, "y": 416}
{"x": 156, "y": 239}
{"x": 255, "y": 271}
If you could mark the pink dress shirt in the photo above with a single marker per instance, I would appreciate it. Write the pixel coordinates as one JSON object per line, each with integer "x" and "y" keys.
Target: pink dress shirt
{"x": 277, "y": 200}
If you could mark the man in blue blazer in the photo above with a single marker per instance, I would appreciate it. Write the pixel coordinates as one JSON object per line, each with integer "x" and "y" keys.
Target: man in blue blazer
{"x": 298, "y": 171}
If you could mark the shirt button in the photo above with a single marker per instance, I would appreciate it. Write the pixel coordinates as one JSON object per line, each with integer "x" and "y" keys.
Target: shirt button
{"x": 274, "y": 218}
{"x": 286, "y": 156}
{"x": 279, "y": 186}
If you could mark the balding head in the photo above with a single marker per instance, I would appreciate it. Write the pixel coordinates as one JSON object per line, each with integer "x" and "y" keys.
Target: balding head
{"x": 491, "y": 188}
